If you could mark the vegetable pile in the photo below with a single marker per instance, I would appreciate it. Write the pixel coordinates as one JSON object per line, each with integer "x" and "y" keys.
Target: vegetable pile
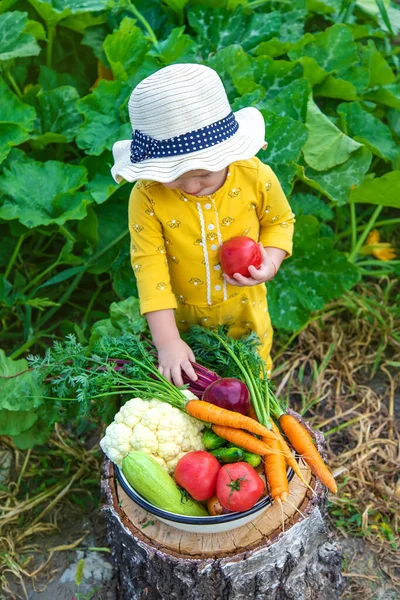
{"x": 225, "y": 450}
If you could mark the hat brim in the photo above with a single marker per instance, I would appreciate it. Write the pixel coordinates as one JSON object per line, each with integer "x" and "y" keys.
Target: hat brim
{"x": 244, "y": 144}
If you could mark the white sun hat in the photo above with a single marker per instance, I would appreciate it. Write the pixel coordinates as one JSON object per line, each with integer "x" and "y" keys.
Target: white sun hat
{"x": 182, "y": 121}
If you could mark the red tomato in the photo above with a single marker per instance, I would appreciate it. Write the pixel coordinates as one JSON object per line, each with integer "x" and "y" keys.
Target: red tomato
{"x": 237, "y": 254}
{"x": 197, "y": 473}
{"x": 238, "y": 486}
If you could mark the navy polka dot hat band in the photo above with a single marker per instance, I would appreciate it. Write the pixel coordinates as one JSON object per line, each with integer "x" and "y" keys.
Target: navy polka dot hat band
{"x": 144, "y": 147}
{"x": 182, "y": 121}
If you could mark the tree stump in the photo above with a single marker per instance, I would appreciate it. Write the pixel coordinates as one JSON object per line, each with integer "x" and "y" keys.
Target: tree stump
{"x": 260, "y": 560}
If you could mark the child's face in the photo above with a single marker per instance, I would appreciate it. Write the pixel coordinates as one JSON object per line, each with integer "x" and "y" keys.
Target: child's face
{"x": 199, "y": 183}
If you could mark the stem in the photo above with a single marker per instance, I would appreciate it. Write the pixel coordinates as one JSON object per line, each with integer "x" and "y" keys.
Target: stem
{"x": 14, "y": 255}
{"x": 377, "y": 262}
{"x": 144, "y": 22}
{"x": 353, "y": 221}
{"x": 365, "y": 233}
{"x": 361, "y": 227}
{"x": 14, "y": 84}
{"x": 67, "y": 233}
{"x": 36, "y": 280}
{"x": 51, "y": 30}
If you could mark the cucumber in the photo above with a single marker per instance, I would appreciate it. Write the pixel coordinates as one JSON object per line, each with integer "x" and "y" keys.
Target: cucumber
{"x": 228, "y": 455}
{"x": 252, "y": 459}
{"x": 152, "y": 482}
{"x": 212, "y": 441}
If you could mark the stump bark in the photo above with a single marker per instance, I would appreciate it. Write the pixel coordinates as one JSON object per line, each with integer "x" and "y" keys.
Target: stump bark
{"x": 289, "y": 556}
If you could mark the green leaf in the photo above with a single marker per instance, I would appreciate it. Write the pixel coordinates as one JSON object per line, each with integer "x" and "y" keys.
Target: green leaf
{"x": 218, "y": 28}
{"x": 313, "y": 276}
{"x": 124, "y": 317}
{"x": 176, "y": 5}
{"x": 285, "y": 138}
{"x": 333, "y": 49}
{"x": 324, "y": 7}
{"x": 234, "y": 67}
{"x": 380, "y": 72}
{"x": 273, "y": 48}
{"x": 293, "y": 22}
{"x": 372, "y": 8}
{"x": 125, "y": 49}
{"x": 63, "y": 276}
{"x": 18, "y": 390}
{"x": 16, "y": 120}
{"x": 290, "y": 102}
{"x": 52, "y": 199}
{"x": 383, "y": 191}
{"x": 101, "y": 185}
{"x": 388, "y": 95}
{"x": 113, "y": 228}
{"x": 337, "y": 182}
{"x": 274, "y": 75}
{"x": 58, "y": 119}
{"x": 36, "y": 29}
{"x": 13, "y": 422}
{"x": 326, "y": 146}
{"x": 54, "y": 11}
{"x": 106, "y": 115}
{"x": 308, "y": 204}
{"x": 177, "y": 47}
{"x": 334, "y": 87}
{"x": 368, "y": 130}
{"x": 14, "y": 41}
{"x": 41, "y": 429}
{"x": 124, "y": 280}
{"x": 49, "y": 79}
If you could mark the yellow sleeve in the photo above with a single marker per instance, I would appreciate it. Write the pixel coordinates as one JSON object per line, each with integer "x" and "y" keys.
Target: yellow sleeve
{"x": 275, "y": 215}
{"x": 148, "y": 254}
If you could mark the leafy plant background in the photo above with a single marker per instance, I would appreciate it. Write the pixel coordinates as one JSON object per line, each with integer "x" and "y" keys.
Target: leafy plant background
{"x": 324, "y": 73}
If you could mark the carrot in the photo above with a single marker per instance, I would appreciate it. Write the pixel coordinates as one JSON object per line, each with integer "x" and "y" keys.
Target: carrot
{"x": 242, "y": 439}
{"x": 290, "y": 459}
{"x": 275, "y": 473}
{"x": 303, "y": 444}
{"x": 204, "y": 411}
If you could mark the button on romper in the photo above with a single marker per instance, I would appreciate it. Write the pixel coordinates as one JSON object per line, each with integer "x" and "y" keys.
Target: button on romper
{"x": 175, "y": 241}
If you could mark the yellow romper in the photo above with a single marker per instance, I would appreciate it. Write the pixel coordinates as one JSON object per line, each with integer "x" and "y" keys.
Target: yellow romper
{"x": 175, "y": 241}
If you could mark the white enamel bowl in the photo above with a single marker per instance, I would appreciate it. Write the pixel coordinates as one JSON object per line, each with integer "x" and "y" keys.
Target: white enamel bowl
{"x": 197, "y": 524}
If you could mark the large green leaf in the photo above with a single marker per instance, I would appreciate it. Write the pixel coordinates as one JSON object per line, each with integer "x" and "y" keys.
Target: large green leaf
{"x": 18, "y": 390}
{"x": 14, "y": 41}
{"x": 314, "y": 275}
{"x": 112, "y": 219}
{"x": 54, "y": 11}
{"x": 101, "y": 185}
{"x": 326, "y": 146}
{"x": 13, "y": 422}
{"x": 16, "y": 120}
{"x": 234, "y": 67}
{"x": 124, "y": 317}
{"x": 125, "y": 49}
{"x": 58, "y": 118}
{"x": 368, "y": 130}
{"x": 333, "y": 49}
{"x": 38, "y": 193}
{"x": 380, "y": 72}
{"x": 177, "y": 47}
{"x": 308, "y": 204}
{"x": 389, "y": 95}
{"x": 290, "y": 102}
{"x": 274, "y": 75}
{"x": 285, "y": 138}
{"x": 106, "y": 115}
{"x": 218, "y": 28}
{"x": 384, "y": 191}
{"x": 337, "y": 182}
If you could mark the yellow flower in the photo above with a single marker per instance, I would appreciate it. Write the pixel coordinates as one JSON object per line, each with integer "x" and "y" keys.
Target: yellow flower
{"x": 381, "y": 250}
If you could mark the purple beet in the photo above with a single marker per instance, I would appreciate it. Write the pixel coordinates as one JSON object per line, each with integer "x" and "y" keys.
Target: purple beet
{"x": 229, "y": 393}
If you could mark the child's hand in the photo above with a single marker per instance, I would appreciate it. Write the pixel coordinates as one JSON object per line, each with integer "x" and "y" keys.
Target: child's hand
{"x": 173, "y": 356}
{"x": 266, "y": 272}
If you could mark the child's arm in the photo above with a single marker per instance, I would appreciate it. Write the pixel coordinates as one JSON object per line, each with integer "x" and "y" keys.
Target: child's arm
{"x": 173, "y": 353}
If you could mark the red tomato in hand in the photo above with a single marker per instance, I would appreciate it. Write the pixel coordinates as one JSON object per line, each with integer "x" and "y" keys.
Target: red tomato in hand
{"x": 237, "y": 254}
{"x": 239, "y": 487}
{"x": 197, "y": 473}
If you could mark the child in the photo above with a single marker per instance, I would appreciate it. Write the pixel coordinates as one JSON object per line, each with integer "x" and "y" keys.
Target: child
{"x": 198, "y": 184}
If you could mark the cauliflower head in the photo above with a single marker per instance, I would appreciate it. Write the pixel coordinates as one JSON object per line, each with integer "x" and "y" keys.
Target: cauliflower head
{"x": 164, "y": 432}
